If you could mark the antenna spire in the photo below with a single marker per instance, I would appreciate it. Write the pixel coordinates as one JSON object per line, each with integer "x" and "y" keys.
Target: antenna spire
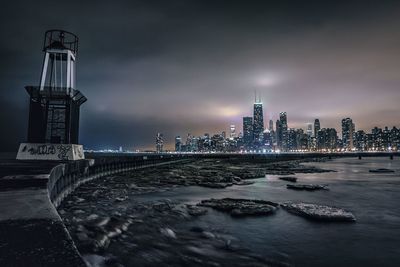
{"x": 257, "y": 99}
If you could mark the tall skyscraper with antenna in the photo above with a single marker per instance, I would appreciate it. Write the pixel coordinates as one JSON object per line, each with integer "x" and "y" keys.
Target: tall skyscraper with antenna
{"x": 258, "y": 121}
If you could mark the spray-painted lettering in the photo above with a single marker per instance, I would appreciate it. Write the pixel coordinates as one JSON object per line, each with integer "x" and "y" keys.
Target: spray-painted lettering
{"x": 42, "y": 150}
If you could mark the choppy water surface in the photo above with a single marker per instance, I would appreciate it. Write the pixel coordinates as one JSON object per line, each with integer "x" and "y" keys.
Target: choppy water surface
{"x": 374, "y": 198}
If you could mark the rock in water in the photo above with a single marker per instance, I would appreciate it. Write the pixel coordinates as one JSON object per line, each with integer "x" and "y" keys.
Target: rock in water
{"x": 241, "y": 207}
{"x": 288, "y": 178}
{"x": 163, "y": 205}
{"x": 168, "y": 232}
{"x": 319, "y": 212}
{"x": 195, "y": 210}
{"x": 120, "y": 199}
{"x": 94, "y": 221}
{"x": 214, "y": 185}
{"x": 307, "y": 187}
{"x": 381, "y": 170}
{"x": 253, "y": 210}
{"x": 208, "y": 235}
{"x": 244, "y": 183}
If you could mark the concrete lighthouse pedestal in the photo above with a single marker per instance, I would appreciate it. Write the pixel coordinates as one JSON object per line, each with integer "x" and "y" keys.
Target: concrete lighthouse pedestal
{"x": 32, "y": 151}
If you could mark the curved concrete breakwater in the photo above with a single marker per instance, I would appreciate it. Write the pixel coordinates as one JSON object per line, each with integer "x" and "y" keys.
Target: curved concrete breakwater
{"x": 32, "y": 232}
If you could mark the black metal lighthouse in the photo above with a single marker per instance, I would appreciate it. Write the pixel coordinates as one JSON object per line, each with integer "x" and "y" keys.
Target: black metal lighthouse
{"x": 55, "y": 103}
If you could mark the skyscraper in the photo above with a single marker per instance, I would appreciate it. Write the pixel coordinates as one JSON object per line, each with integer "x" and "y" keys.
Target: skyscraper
{"x": 271, "y": 125}
{"x": 303, "y": 139}
{"x": 159, "y": 142}
{"x": 284, "y": 126}
{"x": 278, "y": 138}
{"x": 291, "y": 139}
{"x": 233, "y": 131}
{"x": 223, "y": 134}
{"x": 258, "y": 122}
{"x": 194, "y": 144}
{"x": 188, "y": 140}
{"x": 268, "y": 140}
{"x": 309, "y": 129}
{"x": 247, "y": 131}
{"x": 360, "y": 140}
{"x": 317, "y": 127}
{"x": 327, "y": 139}
{"x": 272, "y": 135}
{"x": 348, "y": 128}
{"x": 178, "y": 144}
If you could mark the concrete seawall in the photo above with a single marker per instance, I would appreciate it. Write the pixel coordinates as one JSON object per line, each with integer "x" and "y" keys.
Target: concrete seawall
{"x": 31, "y": 231}
{"x": 65, "y": 178}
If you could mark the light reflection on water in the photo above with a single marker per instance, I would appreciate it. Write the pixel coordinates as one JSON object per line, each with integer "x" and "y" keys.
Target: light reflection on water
{"x": 373, "y": 198}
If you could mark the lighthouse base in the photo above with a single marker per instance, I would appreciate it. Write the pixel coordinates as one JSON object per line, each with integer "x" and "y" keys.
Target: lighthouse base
{"x": 35, "y": 151}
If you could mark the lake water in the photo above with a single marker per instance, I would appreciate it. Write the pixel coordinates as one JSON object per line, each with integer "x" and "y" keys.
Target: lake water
{"x": 374, "y": 198}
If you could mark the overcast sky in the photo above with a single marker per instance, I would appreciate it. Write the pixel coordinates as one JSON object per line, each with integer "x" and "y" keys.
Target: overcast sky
{"x": 192, "y": 66}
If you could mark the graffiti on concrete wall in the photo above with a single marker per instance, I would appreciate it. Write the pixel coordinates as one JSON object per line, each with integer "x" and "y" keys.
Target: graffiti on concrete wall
{"x": 63, "y": 152}
{"x": 45, "y": 149}
{"x": 41, "y": 150}
{"x": 78, "y": 150}
{"x": 30, "y": 151}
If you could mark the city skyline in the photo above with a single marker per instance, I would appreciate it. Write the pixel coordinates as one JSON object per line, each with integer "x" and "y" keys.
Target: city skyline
{"x": 347, "y": 136}
{"x": 175, "y": 67}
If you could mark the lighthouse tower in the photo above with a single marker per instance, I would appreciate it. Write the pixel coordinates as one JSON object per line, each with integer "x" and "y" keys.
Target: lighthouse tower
{"x": 53, "y": 128}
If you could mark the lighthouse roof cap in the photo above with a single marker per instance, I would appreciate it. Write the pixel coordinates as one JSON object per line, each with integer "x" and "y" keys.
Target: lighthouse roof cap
{"x": 60, "y": 39}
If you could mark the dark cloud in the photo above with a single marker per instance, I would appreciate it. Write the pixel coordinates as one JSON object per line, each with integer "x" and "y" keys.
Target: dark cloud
{"x": 192, "y": 66}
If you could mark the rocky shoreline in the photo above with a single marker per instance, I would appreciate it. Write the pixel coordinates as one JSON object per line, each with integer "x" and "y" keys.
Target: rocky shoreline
{"x": 155, "y": 234}
{"x": 212, "y": 174}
